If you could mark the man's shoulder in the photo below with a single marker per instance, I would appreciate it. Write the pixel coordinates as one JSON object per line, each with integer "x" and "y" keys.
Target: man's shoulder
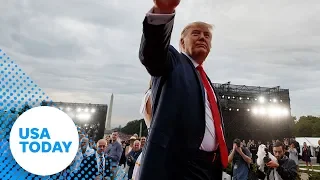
{"x": 290, "y": 162}
{"x": 117, "y": 143}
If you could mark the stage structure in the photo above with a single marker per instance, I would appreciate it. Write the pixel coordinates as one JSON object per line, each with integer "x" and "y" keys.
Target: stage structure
{"x": 91, "y": 117}
{"x": 254, "y": 112}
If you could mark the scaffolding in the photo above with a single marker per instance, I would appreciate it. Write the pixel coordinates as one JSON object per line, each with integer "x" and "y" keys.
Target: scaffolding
{"x": 237, "y": 103}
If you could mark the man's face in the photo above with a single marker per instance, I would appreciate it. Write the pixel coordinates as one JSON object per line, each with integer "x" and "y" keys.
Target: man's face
{"x": 84, "y": 143}
{"x": 143, "y": 140}
{"x": 114, "y": 136}
{"x": 278, "y": 152}
{"x": 101, "y": 146}
{"x": 197, "y": 41}
{"x": 136, "y": 146}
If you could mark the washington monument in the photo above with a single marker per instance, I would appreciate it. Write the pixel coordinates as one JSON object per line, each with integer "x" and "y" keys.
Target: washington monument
{"x": 108, "y": 124}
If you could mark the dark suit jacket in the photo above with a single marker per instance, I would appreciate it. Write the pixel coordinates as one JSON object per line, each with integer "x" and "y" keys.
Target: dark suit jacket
{"x": 89, "y": 168}
{"x": 178, "y": 117}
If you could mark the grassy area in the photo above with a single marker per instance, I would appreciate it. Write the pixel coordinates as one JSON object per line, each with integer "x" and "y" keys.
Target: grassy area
{"x": 314, "y": 167}
{"x": 312, "y": 175}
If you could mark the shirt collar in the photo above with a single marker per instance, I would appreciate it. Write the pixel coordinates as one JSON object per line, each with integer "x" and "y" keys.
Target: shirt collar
{"x": 193, "y": 61}
{"x": 98, "y": 155}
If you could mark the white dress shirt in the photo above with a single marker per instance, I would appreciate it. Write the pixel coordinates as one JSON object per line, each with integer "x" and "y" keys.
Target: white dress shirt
{"x": 143, "y": 108}
{"x": 209, "y": 142}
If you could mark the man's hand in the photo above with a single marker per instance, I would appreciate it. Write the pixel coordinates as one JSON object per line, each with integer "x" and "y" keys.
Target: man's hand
{"x": 234, "y": 146}
{"x": 239, "y": 150}
{"x": 272, "y": 164}
{"x": 165, "y": 6}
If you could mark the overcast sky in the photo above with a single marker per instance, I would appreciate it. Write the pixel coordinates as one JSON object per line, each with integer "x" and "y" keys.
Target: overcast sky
{"x": 84, "y": 50}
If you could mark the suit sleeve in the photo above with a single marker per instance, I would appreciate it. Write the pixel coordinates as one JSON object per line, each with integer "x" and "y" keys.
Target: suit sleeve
{"x": 154, "y": 51}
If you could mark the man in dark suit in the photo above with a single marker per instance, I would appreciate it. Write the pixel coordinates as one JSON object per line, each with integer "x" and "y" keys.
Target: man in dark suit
{"x": 186, "y": 138}
{"x": 96, "y": 166}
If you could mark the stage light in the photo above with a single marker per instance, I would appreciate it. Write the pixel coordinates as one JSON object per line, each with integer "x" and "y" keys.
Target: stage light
{"x": 83, "y": 116}
{"x": 240, "y": 98}
{"x": 248, "y": 98}
{"x": 93, "y": 110}
{"x": 248, "y": 110}
{"x": 237, "y": 109}
{"x": 255, "y": 111}
{"x": 79, "y": 109}
{"x": 86, "y": 110}
{"x": 222, "y": 96}
{"x": 280, "y": 100}
{"x": 230, "y": 109}
{"x": 262, "y": 111}
{"x": 284, "y": 112}
{"x": 261, "y": 99}
{"x": 274, "y": 111}
{"x": 233, "y": 97}
{"x": 274, "y": 100}
{"x": 228, "y": 97}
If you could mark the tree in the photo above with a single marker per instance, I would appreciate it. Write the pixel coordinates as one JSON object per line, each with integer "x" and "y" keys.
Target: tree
{"x": 133, "y": 127}
{"x": 307, "y": 126}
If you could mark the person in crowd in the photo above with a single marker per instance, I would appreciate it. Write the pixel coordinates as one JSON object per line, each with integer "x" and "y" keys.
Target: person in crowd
{"x": 293, "y": 153}
{"x": 249, "y": 143}
{"x": 253, "y": 149}
{"x": 296, "y": 144}
{"x": 318, "y": 152}
{"x": 186, "y": 139}
{"x": 271, "y": 146}
{"x": 132, "y": 157}
{"x": 129, "y": 148}
{"x": 259, "y": 143}
{"x": 83, "y": 152}
{"x": 306, "y": 155}
{"x": 114, "y": 151}
{"x": 95, "y": 166}
{"x": 108, "y": 139}
{"x": 285, "y": 167}
{"x": 136, "y": 136}
{"x": 286, "y": 146}
{"x": 240, "y": 157}
{"x": 244, "y": 144}
{"x": 268, "y": 145}
{"x": 123, "y": 156}
{"x": 145, "y": 111}
{"x": 143, "y": 141}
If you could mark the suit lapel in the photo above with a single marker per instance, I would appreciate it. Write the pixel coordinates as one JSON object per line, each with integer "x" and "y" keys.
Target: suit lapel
{"x": 197, "y": 75}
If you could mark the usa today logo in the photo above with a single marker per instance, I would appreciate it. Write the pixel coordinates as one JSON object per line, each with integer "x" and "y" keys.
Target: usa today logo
{"x": 44, "y": 140}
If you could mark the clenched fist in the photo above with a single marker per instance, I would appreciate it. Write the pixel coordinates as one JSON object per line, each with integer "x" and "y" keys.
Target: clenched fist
{"x": 165, "y": 6}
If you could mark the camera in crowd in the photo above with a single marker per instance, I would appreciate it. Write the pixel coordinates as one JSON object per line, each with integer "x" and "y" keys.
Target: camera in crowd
{"x": 266, "y": 159}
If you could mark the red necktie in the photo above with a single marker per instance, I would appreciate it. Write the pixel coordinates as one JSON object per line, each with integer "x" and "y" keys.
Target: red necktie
{"x": 216, "y": 117}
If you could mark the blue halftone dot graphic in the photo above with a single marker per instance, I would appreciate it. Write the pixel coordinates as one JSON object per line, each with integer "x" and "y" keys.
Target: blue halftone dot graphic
{"x": 18, "y": 93}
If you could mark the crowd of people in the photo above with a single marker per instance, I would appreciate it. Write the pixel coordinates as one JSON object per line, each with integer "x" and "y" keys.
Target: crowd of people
{"x": 122, "y": 157}
{"x": 287, "y": 153}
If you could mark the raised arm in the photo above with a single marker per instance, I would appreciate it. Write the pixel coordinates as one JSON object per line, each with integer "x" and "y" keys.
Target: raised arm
{"x": 154, "y": 51}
